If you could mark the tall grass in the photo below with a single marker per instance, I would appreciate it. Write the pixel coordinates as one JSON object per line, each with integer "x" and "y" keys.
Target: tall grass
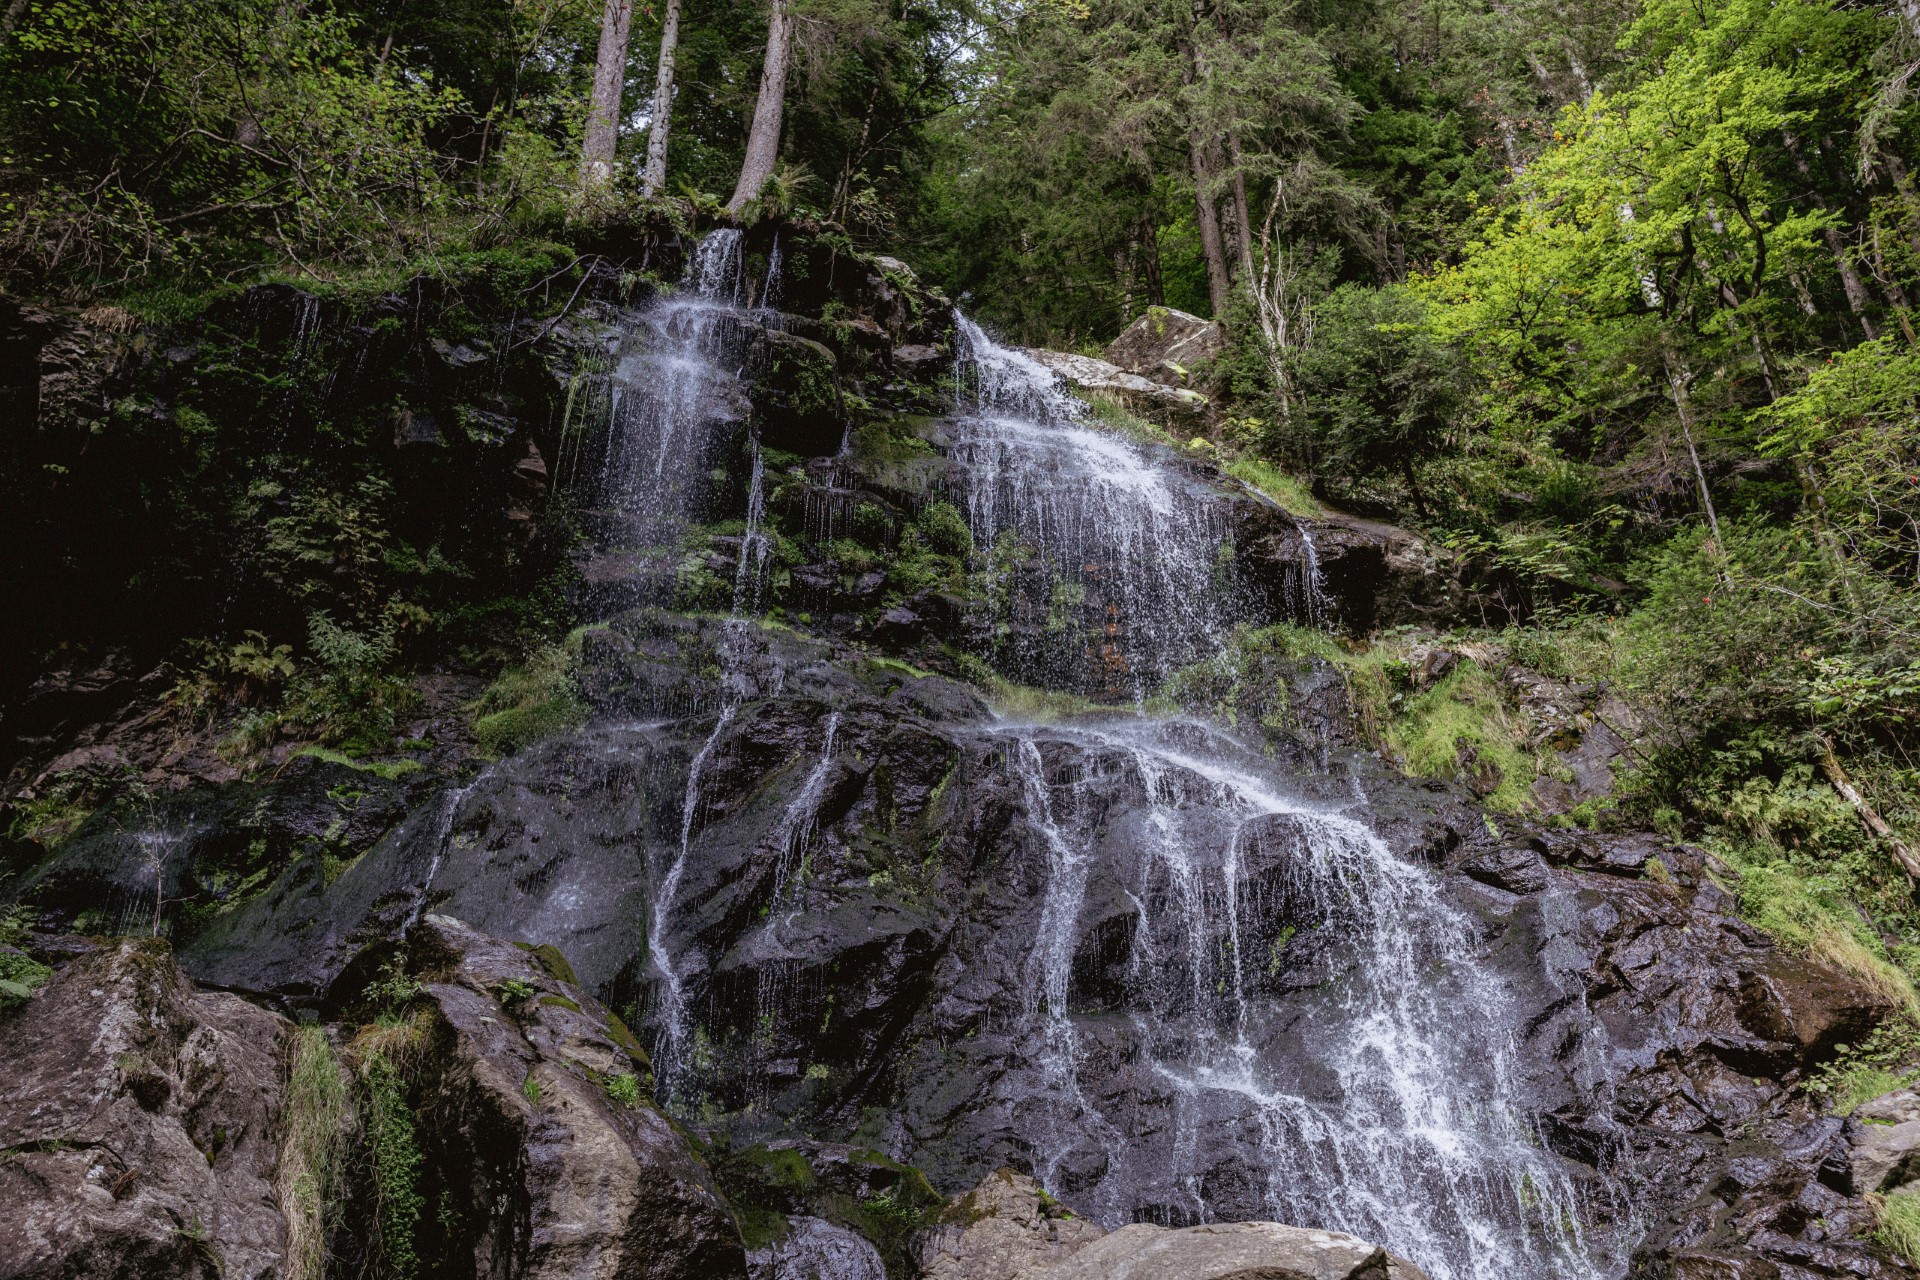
{"x": 317, "y": 1119}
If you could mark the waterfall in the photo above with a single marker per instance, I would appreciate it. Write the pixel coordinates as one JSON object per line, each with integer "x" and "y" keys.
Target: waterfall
{"x": 676, "y": 405}
{"x": 1106, "y": 563}
{"x": 1384, "y": 1097}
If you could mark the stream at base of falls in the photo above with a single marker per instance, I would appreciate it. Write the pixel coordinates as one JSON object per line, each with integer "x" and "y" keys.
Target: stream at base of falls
{"x": 1281, "y": 982}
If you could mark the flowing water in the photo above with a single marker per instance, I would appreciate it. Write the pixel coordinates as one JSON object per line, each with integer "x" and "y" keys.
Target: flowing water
{"x": 1106, "y": 564}
{"x": 1292, "y": 1003}
{"x": 1310, "y": 1003}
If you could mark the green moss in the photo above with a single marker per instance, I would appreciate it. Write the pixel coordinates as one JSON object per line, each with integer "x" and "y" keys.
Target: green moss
{"x": 560, "y": 1002}
{"x": 389, "y": 769}
{"x": 531, "y": 702}
{"x": 555, "y": 963}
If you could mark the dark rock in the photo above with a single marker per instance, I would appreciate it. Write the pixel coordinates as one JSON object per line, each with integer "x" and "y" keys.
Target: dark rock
{"x": 141, "y": 1126}
{"x": 798, "y": 396}
{"x": 1515, "y": 869}
{"x": 920, "y": 361}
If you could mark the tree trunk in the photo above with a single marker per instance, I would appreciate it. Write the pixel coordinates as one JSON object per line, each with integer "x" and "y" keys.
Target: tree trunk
{"x": 1413, "y": 485}
{"x": 1856, "y": 289}
{"x": 1150, "y": 261}
{"x": 1677, "y": 387}
{"x": 603, "y": 109}
{"x": 763, "y": 140}
{"x": 1219, "y": 287}
{"x": 655, "y": 176}
{"x": 1242, "y": 222}
{"x": 1830, "y": 765}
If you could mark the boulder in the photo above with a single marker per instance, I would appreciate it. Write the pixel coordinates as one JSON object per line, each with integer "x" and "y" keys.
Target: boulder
{"x": 1230, "y": 1251}
{"x": 1004, "y": 1228}
{"x": 140, "y": 1125}
{"x": 526, "y": 1113}
{"x": 815, "y": 1249}
{"x": 1154, "y": 399}
{"x": 1886, "y": 1142}
{"x": 1517, "y": 870}
{"x": 1163, "y": 342}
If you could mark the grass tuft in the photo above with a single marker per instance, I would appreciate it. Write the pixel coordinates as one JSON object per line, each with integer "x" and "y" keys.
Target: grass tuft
{"x": 1289, "y": 491}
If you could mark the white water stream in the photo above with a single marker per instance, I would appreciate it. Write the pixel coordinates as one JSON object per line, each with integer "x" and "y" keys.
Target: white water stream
{"x": 1391, "y": 1107}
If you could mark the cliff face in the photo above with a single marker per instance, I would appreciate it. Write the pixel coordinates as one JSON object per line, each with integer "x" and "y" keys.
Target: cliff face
{"x": 833, "y": 921}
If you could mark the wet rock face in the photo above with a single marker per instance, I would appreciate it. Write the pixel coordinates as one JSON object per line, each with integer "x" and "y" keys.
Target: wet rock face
{"x": 140, "y": 1123}
{"x": 867, "y": 888}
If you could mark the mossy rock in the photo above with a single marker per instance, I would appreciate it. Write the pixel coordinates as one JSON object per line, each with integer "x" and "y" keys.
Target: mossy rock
{"x": 797, "y": 397}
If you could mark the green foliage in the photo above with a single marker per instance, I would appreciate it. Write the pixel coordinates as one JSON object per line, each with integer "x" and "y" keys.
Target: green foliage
{"x": 318, "y": 1115}
{"x": 393, "y": 1151}
{"x": 1294, "y": 497}
{"x": 1378, "y": 394}
{"x": 1888, "y": 1059}
{"x": 1459, "y": 728}
{"x": 530, "y": 702}
{"x": 1899, "y": 1228}
{"x": 624, "y": 1088}
{"x": 20, "y": 976}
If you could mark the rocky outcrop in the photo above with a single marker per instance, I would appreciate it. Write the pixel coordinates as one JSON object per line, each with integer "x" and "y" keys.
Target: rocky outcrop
{"x": 815, "y": 1249}
{"x": 541, "y": 1138}
{"x": 1231, "y": 1251}
{"x": 1156, "y": 400}
{"x": 139, "y": 1126}
{"x": 1164, "y": 344}
{"x": 1007, "y": 1228}
{"x": 1886, "y": 1141}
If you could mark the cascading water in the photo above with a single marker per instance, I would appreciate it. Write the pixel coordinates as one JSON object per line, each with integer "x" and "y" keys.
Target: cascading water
{"x": 1382, "y": 1096}
{"x": 1103, "y": 563}
{"x": 676, "y": 405}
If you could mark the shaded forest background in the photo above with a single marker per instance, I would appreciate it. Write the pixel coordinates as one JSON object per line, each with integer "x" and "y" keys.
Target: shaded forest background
{"x": 1612, "y": 297}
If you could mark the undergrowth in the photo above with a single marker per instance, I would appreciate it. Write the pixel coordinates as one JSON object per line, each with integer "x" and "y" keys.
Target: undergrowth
{"x": 319, "y": 1113}
{"x": 1900, "y": 1222}
{"x": 531, "y": 702}
{"x": 1292, "y": 493}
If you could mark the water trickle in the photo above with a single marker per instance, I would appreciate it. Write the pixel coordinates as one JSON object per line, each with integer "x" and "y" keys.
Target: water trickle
{"x": 1307, "y": 595}
{"x": 443, "y": 840}
{"x": 670, "y": 1056}
{"x": 798, "y": 823}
